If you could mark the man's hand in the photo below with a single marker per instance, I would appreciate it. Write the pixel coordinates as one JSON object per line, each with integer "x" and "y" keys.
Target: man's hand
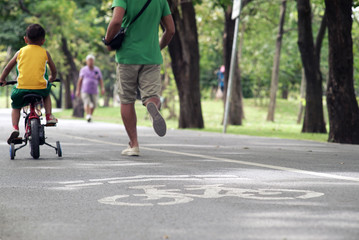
{"x": 78, "y": 93}
{"x": 109, "y": 48}
{"x": 102, "y": 91}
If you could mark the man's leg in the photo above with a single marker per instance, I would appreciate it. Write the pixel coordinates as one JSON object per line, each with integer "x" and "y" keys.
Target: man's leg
{"x": 93, "y": 104}
{"x": 129, "y": 119}
{"x": 87, "y": 105}
{"x": 150, "y": 87}
{"x": 155, "y": 100}
{"x": 127, "y": 88}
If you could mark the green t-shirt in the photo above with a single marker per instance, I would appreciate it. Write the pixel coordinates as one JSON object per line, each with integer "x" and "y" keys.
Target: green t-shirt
{"x": 141, "y": 44}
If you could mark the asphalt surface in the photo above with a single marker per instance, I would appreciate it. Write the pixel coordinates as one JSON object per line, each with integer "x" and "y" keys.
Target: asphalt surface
{"x": 187, "y": 185}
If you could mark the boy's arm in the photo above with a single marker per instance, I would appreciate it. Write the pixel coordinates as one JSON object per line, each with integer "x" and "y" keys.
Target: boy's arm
{"x": 8, "y": 69}
{"x": 52, "y": 68}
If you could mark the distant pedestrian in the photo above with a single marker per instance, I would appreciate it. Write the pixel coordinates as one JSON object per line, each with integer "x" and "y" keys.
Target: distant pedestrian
{"x": 220, "y": 78}
{"x": 87, "y": 86}
{"x": 139, "y": 60}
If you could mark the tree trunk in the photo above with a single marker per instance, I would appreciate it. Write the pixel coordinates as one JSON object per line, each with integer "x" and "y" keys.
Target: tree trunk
{"x": 342, "y": 104}
{"x": 107, "y": 98}
{"x": 303, "y": 86}
{"x": 313, "y": 118}
{"x": 236, "y": 107}
{"x": 276, "y": 64}
{"x": 68, "y": 98}
{"x": 72, "y": 78}
{"x": 184, "y": 52}
{"x": 285, "y": 92}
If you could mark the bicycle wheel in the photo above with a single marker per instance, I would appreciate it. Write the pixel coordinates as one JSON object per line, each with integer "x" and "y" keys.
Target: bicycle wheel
{"x": 12, "y": 151}
{"x": 35, "y": 138}
{"x": 59, "y": 150}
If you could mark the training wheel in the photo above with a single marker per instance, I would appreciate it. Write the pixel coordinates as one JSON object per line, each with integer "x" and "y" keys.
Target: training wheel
{"x": 58, "y": 149}
{"x": 12, "y": 151}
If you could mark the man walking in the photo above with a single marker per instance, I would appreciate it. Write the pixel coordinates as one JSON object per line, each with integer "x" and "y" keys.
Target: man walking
{"x": 87, "y": 86}
{"x": 139, "y": 60}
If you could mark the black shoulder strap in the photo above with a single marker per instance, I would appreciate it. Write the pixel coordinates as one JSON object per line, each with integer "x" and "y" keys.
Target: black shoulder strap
{"x": 140, "y": 13}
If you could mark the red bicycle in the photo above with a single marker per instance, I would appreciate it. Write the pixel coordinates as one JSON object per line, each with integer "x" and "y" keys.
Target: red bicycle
{"x": 34, "y": 130}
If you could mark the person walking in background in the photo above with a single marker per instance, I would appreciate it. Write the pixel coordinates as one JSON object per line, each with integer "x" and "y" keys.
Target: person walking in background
{"x": 139, "y": 60}
{"x": 220, "y": 78}
{"x": 87, "y": 86}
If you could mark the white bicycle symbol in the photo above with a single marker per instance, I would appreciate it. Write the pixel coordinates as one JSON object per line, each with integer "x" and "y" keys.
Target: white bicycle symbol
{"x": 159, "y": 195}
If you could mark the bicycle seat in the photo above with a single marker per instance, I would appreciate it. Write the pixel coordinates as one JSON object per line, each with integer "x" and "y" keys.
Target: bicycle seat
{"x": 32, "y": 98}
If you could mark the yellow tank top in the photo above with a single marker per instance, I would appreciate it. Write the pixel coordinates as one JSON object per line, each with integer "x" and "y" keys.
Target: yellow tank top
{"x": 31, "y": 68}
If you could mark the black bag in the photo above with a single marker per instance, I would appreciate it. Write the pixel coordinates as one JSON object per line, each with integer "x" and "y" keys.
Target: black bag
{"x": 116, "y": 42}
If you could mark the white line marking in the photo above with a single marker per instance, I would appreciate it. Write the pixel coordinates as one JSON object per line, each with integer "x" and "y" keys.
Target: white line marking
{"x": 268, "y": 166}
{"x": 154, "y": 179}
{"x": 172, "y": 179}
{"x": 166, "y": 176}
{"x": 72, "y": 182}
{"x": 83, "y": 185}
{"x": 115, "y": 164}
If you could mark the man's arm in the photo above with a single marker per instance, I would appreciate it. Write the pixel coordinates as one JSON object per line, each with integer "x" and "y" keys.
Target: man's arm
{"x": 78, "y": 87}
{"x": 52, "y": 68}
{"x": 169, "y": 26}
{"x": 115, "y": 24}
{"x": 8, "y": 69}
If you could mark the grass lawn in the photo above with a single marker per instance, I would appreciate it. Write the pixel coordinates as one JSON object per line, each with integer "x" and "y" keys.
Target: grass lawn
{"x": 254, "y": 124}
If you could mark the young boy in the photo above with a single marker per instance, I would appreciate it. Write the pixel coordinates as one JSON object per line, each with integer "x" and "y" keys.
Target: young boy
{"x": 32, "y": 76}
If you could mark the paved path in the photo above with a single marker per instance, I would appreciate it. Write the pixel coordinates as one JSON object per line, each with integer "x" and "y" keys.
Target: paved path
{"x": 188, "y": 185}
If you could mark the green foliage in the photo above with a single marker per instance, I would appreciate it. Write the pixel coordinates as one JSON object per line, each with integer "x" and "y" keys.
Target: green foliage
{"x": 210, "y": 31}
{"x": 12, "y": 27}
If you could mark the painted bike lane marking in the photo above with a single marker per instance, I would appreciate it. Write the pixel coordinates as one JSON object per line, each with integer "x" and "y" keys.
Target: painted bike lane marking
{"x": 161, "y": 195}
{"x": 165, "y": 195}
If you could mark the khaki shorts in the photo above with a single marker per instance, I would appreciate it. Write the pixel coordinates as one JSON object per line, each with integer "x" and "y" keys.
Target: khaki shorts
{"x": 147, "y": 78}
{"x": 90, "y": 100}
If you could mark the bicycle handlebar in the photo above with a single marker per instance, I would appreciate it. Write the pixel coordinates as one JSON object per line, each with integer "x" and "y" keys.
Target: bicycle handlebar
{"x": 11, "y": 82}
{"x": 14, "y": 82}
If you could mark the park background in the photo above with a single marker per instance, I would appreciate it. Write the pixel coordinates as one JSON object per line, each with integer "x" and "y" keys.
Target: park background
{"x": 268, "y": 54}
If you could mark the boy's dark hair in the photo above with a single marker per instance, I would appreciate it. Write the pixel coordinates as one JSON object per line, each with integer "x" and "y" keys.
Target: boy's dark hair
{"x": 35, "y": 33}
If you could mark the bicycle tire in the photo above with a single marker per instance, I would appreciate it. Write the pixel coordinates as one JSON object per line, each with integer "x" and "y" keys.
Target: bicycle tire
{"x": 12, "y": 151}
{"x": 59, "y": 149}
{"x": 35, "y": 138}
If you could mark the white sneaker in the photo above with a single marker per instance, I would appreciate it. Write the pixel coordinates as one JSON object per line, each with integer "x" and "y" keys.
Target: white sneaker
{"x": 89, "y": 118}
{"x": 129, "y": 151}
